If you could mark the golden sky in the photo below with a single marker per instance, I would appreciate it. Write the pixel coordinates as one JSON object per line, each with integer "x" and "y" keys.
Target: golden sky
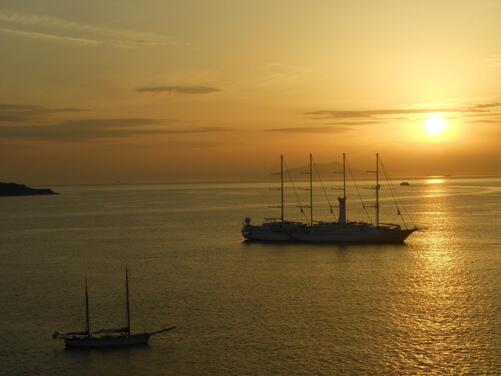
{"x": 133, "y": 91}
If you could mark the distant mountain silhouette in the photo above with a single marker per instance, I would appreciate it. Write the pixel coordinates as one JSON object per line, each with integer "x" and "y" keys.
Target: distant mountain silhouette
{"x": 13, "y": 189}
{"x": 327, "y": 171}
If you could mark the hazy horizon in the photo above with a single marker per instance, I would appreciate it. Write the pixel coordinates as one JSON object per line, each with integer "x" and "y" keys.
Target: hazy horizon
{"x": 193, "y": 91}
{"x": 270, "y": 179}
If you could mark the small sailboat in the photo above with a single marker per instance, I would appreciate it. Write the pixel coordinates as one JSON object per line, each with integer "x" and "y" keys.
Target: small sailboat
{"x": 106, "y": 338}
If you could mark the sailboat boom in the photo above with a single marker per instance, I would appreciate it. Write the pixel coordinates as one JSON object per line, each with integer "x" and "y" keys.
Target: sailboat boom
{"x": 162, "y": 330}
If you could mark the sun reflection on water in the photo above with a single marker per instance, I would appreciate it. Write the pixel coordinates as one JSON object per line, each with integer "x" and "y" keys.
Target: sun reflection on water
{"x": 434, "y": 181}
{"x": 437, "y": 315}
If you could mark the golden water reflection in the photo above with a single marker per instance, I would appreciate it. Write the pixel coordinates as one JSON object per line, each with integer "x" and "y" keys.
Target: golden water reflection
{"x": 435, "y": 181}
{"x": 437, "y": 317}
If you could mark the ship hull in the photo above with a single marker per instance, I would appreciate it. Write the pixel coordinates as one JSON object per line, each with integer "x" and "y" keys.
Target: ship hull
{"x": 107, "y": 342}
{"x": 370, "y": 236}
{"x": 329, "y": 233}
{"x": 267, "y": 236}
{"x": 272, "y": 231}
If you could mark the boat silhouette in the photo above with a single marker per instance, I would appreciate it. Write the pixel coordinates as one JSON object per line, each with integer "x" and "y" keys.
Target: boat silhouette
{"x": 109, "y": 337}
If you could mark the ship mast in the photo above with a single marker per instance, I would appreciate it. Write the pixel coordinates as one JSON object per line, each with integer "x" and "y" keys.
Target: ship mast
{"x": 377, "y": 189}
{"x": 127, "y": 301}
{"x": 282, "y": 216}
{"x": 344, "y": 176}
{"x": 311, "y": 190}
{"x": 87, "y": 317}
{"x": 342, "y": 200}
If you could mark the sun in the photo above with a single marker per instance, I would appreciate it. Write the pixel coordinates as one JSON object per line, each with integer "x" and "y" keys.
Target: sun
{"x": 435, "y": 126}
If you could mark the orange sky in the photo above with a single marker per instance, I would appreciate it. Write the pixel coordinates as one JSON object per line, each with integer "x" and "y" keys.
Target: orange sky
{"x": 98, "y": 92}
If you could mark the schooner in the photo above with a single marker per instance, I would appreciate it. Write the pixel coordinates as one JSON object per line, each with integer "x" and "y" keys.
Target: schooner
{"x": 106, "y": 338}
{"x": 340, "y": 231}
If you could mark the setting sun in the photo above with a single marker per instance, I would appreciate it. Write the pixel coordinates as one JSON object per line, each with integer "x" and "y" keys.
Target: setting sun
{"x": 435, "y": 125}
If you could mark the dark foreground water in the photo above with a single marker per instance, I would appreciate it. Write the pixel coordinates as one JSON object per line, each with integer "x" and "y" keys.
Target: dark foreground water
{"x": 430, "y": 307}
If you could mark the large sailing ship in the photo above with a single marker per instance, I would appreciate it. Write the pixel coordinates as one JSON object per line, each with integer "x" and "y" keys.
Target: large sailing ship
{"x": 340, "y": 231}
{"x": 106, "y": 338}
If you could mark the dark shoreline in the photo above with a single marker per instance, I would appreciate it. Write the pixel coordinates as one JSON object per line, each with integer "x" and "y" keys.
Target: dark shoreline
{"x": 14, "y": 189}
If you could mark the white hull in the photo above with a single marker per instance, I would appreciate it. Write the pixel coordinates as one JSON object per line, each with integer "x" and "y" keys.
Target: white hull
{"x": 327, "y": 233}
{"x": 267, "y": 236}
{"x": 272, "y": 231}
{"x": 108, "y": 341}
{"x": 373, "y": 235}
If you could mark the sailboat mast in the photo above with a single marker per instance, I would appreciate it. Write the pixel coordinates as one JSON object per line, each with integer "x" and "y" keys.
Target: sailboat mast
{"x": 377, "y": 189}
{"x": 282, "y": 216}
{"x": 87, "y": 316}
{"x": 311, "y": 190}
{"x": 127, "y": 301}
{"x": 342, "y": 200}
{"x": 344, "y": 175}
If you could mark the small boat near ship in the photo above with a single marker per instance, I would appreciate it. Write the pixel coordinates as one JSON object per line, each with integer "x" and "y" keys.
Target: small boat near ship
{"x": 107, "y": 338}
{"x": 340, "y": 231}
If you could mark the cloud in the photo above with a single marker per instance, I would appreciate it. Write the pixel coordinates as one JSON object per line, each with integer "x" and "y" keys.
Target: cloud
{"x": 34, "y": 122}
{"x": 495, "y": 121}
{"x": 367, "y": 122}
{"x": 330, "y": 114}
{"x": 488, "y": 105}
{"x": 335, "y": 127}
{"x": 178, "y": 89}
{"x": 16, "y": 113}
{"x": 197, "y": 130}
{"x": 50, "y": 37}
{"x": 483, "y": 114}
{"x": 57, "y": 30}
{"x": 94, "y": 129}
{"x": 195, "y": 144}
{"x": 133, "y": 144}
{"x": 108, "y": 123}
{"x": 322, "y": 129}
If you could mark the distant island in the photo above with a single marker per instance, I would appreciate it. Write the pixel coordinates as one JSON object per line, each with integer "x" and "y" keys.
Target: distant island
{"x": 13, "y": 189}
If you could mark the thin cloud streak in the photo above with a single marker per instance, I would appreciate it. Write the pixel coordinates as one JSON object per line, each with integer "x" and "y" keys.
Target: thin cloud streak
{"x": 368, "y": 122}
{"x": 50, "y": 37}
{"x": 195, "y": 144}
{"x": 495, "y": 121}
{"x": 488, "y": 105}
{"x": 329, "y": 114}
{"x": 20, "y": 113}
{"x": 92, "y": 34}
{"x": 483, "y": 114}
{"x": 333, "y": 128}
{"x": 94, "y": 129}
{"x": 108, "y": 123}
{"x": 178, "y": 89}
{"x": 329, "y": 129}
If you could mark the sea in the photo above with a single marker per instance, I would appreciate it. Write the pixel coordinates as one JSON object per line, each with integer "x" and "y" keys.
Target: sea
{"x": 431, "y": 306}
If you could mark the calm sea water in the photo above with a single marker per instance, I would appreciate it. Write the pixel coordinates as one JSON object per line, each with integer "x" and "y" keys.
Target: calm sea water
{"x": 430, "y": 307}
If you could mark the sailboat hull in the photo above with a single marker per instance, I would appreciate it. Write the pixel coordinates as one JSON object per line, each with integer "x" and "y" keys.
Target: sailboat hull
{"x": 107, "y": 341}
